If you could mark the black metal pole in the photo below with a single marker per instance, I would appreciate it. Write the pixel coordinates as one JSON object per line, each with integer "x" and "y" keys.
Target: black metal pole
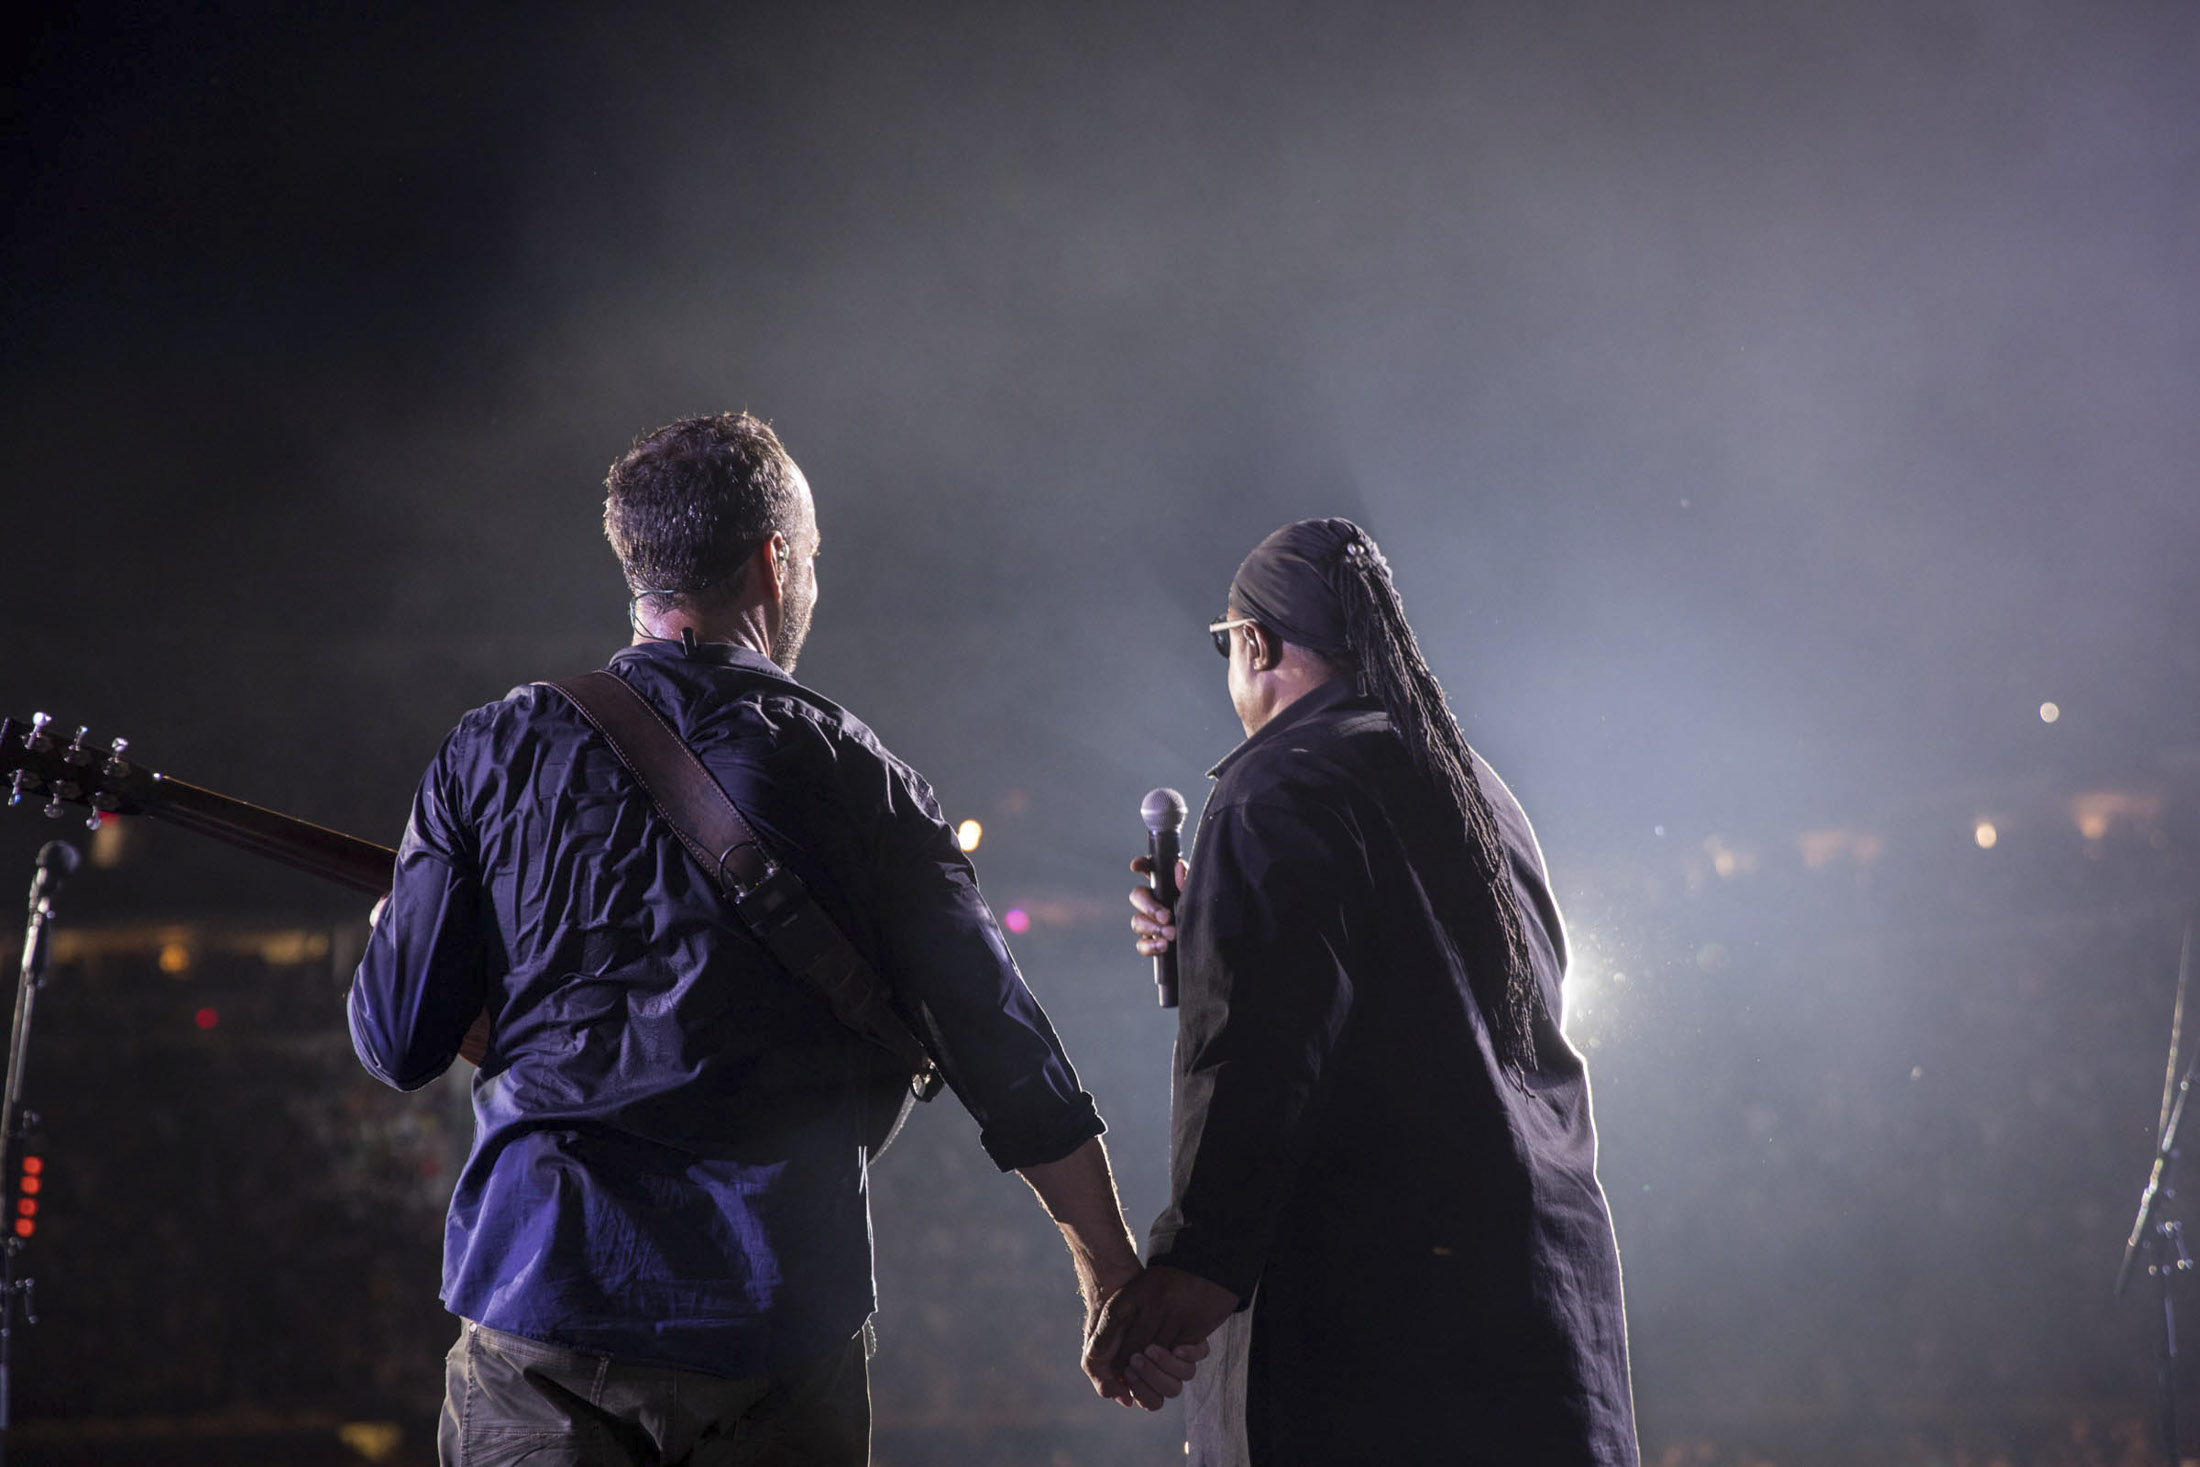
{"x": 2162, "y": 1239}
{"x": 2167, "y": 1366}
{"x": 56, "y": 860}
{"x": 2167, "y": 1245}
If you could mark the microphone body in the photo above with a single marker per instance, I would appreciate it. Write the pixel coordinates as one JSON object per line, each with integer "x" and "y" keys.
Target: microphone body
{"x": 1163, "y": 811}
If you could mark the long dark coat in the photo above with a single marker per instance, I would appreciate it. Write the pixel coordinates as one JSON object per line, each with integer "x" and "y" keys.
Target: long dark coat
{"x": 1435, "y": 1269}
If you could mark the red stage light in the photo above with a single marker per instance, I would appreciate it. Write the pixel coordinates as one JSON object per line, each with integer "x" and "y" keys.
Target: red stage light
{"x": 207, "y": 1018}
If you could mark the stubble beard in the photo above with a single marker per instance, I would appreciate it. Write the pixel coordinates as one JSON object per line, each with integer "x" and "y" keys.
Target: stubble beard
{"x": 794, "y": 629}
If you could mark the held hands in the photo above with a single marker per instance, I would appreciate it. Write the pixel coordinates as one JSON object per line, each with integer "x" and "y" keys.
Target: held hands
{"x": 1151, "y": 1334}
{"x": 1151, "y": 1377}
{"x": 1152, "y": 924}
{"x": 1078, "y": 1192}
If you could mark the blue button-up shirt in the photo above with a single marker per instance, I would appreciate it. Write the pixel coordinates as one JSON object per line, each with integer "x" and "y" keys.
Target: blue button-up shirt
{"x": 668, "y": 1159}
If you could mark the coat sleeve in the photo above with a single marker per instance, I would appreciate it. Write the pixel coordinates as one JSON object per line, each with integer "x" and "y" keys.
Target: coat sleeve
{"x": 421, "y": 981}
{"x": 956, "y": 984}
{"x": 1264, "y": 994}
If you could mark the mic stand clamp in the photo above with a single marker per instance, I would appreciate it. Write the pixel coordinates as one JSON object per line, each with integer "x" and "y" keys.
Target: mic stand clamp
{"x": 25, "y": 1289}
{"x": 2169, "y": 1237}
{"x": 28, "y": 1288}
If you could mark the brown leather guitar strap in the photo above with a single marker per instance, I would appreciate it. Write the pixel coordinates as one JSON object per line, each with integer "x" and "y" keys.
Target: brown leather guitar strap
{"x": 770, "y": 898}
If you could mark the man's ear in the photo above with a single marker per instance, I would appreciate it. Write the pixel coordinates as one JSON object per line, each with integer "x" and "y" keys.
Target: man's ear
{"x": 1262, "y": 650}
{"x": 775, "y": 556}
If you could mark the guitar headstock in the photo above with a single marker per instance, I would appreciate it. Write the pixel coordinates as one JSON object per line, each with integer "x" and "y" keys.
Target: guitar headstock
{"x": 37, "y": 760}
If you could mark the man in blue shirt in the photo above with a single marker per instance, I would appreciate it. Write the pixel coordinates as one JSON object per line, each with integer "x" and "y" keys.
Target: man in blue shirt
{"x": 660, "y": 1244}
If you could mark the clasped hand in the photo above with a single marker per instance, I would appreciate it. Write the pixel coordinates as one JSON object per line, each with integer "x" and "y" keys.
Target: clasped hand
{"x": 1149, "y": 1336}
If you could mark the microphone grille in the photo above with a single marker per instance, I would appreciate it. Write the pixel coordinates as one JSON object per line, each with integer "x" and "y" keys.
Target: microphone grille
{"x": 1163, "y": 810}
{"x": 60, "y": 853}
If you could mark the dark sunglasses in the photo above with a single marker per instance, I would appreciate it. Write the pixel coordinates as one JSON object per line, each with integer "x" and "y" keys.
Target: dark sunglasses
{"x": 1221, "y": 630}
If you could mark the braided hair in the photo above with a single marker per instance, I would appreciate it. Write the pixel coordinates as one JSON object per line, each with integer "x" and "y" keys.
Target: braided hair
{"x": 1361, "y": 624}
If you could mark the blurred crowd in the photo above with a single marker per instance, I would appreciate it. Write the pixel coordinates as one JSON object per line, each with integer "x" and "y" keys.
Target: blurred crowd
{"x": 1875, "y": 1109}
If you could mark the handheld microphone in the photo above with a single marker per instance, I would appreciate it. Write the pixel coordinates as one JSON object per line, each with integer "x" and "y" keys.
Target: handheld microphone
{"x": 1164, "y": 815}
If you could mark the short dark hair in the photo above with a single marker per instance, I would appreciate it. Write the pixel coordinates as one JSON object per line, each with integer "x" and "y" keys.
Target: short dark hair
{"x": 688, "y": 504}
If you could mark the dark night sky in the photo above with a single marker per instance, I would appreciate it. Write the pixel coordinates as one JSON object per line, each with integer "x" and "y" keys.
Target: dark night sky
{"x": 1765, "y": 408}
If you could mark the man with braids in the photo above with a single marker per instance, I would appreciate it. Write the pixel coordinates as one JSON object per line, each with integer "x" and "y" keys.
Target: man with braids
{"x": 660, "y": 1244}
{"x": 1382, "y": 1143}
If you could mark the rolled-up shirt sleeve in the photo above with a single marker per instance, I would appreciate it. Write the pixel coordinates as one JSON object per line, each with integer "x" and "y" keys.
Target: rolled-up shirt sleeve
{"x": 421, "y": 982}
{"x": 955, "y": 982}
{"x": 1264, "y": 998}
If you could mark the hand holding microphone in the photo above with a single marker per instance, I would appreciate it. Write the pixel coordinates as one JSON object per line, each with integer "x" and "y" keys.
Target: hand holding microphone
{"x": 1153, "y": 916}
{"x": 1152, "y": 924}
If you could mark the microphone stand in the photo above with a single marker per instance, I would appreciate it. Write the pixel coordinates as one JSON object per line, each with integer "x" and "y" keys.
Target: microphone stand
{"x": 2162, "y": 1239}
{"x": 55, "y": 860}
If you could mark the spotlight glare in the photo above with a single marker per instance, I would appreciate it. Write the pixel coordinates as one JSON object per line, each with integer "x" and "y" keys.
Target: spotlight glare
{"x": 1016, "y": 919}
{"x": 1986, "y": 835}
{"x": 2049, "y": 712}
{"x": 968, "y": 834}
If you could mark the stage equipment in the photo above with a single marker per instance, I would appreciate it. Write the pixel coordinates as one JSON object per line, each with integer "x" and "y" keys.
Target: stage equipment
{"x": 2161, "y": 1240}
{"x": 19, "y": 1160}
{"x": 1163, "y": 811}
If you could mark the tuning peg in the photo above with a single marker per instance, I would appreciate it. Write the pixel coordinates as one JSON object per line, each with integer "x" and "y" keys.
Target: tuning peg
{"x": 114, "y": 758}
{"x": 36, "y": 738}
{"x": 53, "y": 808}
{"x": 91, "y": 821}
{"x": 22, "y": 781}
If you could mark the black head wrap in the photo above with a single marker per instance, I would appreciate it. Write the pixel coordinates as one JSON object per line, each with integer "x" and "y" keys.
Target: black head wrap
{"x": 1322, "y": 585}
{"x": 1289, "y": 584}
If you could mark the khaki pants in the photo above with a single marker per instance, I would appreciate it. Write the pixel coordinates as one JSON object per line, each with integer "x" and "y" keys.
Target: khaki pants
{"x": 509, "y": 1400}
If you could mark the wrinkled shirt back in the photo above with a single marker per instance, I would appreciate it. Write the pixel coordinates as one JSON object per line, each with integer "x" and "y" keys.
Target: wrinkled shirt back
{"x": 668, "y": 1160}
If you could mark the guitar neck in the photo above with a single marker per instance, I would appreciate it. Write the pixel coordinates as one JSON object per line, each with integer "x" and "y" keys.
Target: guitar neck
{"x": 359, "y": 864}
{"x": 36, "y": 763}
